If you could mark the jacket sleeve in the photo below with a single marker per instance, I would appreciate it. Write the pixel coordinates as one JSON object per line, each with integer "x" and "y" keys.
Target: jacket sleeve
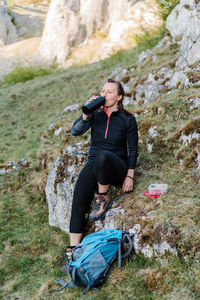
{"x": 132, "y": 141}
{"x": 80, "y": 126}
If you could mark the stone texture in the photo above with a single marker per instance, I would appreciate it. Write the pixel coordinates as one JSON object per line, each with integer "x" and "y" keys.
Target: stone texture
{"x": 184, "y": 25}
{"x": 11, "y": 166}
{"x": 8, "y": 32}
{"x": 71, "y": 108}
{"x": 149, "y": 90}
{"x": 27, "y": 25}
{"x": 153, "y": 132}
{"x": 71, "y": 23}
{"x": 60, "y": 185}
{"x": 155, "y": 250}
{"x": 178, "y": 78}
{"x": 186, "y": 139}
{"x": 198, "y": 159}
{"x": 14, "y": 26}
{"x": 195, "y": 103}
{"x": 144, "y": 55}
{"x": 110, "y": 220}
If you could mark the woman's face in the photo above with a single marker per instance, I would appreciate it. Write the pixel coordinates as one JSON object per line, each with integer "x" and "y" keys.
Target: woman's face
{"x": 110, "y": 92}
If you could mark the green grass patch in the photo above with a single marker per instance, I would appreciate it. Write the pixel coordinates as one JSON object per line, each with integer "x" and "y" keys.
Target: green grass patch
{"x": 167, "y": 6}
{"x": 21, "y": 74}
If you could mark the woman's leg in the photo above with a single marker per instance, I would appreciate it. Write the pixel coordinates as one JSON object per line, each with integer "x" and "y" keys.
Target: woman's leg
{"x": 83, "y": 194}
{"x": 108, "y": 169}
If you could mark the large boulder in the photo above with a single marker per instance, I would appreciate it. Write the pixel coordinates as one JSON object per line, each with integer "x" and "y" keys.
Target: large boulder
{"x": 184, "y": 26}
{"x": 60, "y": 185}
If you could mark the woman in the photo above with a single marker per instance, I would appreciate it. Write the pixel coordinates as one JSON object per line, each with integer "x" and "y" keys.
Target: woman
{"x": 111, "y": 159}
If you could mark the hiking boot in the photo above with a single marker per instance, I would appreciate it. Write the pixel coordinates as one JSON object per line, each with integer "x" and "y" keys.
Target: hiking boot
{"x": 102, "y": 202}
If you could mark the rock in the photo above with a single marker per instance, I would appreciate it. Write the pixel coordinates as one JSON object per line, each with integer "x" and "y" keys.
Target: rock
{"x": 119, "y": 75}
{"x": 71, "y": 108}
{"x": 115, "y": 72}
{"x": 177, "y": 21}
{"x": 136, "y": 241}
{"x": 186, "y": 139}
{"x": 2, "y": 43}
{"x": 166, "y": 41}
{"x": 168, "y": 75}
{"x": 178, "y": 78}
{"x": 155, "y": 250}
{"x": 149, "y": 148}
{"x": 163, "y": 247}
{"x": 184, "y": 25}
{"x": 11, "y": 166}
{"x": 110, "y": 219}
{"x": 128, "y": 100}
{"x": 163, "y": 71}
{"x": 8, "y": 32}
{"x": 144, "y": 55}
{"x": 195, "y": 103}
{"x": 153, "y": 132}
{"x": 58, "y": 131}
{"x": 27, "y": 25}
{"x": 14, "y": 26}
{"x": 151, "y": 92}
{"x": 198, "y": 159}
{"x": 60, "y": 184}
{"x": 147, "y": 251}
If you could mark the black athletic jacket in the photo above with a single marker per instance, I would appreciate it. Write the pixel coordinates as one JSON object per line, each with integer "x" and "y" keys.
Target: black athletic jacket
{"x": 117, "y": 133}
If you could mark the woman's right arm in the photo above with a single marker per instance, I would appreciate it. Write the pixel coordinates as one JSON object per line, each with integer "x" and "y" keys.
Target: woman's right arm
{"x": 81, "y": 125}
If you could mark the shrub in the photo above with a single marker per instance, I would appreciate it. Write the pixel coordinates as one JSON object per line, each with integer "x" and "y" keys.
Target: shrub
{"x": 24, "y": 74}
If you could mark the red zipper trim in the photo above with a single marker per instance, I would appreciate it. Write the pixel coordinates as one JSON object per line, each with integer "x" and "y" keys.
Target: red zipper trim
{"x": 107, "y": 123}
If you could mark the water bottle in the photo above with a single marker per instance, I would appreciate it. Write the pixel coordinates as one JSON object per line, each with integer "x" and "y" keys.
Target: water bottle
{"x": 93, "y": 105}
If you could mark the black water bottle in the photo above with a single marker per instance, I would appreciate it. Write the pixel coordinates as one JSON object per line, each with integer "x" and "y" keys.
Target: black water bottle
{"x": 93, "y": 105}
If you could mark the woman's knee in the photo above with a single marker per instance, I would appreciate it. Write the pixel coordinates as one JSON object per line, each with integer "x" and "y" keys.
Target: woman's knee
{"x": 102, "y": 158}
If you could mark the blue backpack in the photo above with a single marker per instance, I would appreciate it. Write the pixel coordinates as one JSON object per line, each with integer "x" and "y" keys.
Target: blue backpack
{"x": 91, "y": 259}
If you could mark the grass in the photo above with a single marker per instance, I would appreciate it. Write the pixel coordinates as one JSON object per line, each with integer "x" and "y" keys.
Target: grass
{"x": 31, "y": 252}
{"x": 21, "y": 74}
{"x": 167, "y": 6}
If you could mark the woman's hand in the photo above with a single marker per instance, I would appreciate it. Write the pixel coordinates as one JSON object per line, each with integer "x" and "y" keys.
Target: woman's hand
{"x": 84, "y": 116}
{"x": 127, "y": 185}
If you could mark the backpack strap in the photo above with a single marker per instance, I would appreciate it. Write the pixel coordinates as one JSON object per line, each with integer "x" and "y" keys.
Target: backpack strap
{"x": 119, "y": 255}
{"x": 65, "y": 284}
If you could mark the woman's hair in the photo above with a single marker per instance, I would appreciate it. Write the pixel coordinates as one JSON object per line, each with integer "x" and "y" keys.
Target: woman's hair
{"x": 121, "y": 91}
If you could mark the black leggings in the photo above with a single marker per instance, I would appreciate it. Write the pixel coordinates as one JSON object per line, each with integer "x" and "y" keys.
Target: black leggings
{"x": 108, "y": 168}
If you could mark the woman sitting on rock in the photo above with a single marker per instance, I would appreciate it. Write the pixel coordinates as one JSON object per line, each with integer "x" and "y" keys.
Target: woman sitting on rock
{"x": 111, "y": 159}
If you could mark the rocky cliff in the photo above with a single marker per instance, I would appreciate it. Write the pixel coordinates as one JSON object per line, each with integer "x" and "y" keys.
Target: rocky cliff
{"x": 16, "y": 26}
{"x": 101, "y": 27}
{"x": 184, "y": 26}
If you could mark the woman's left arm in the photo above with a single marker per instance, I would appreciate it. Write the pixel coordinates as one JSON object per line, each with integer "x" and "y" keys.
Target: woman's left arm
{"x": 132, "y": 141}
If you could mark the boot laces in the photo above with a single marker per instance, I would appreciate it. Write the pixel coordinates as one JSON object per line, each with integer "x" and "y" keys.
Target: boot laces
{"x": 97, "y": 204}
